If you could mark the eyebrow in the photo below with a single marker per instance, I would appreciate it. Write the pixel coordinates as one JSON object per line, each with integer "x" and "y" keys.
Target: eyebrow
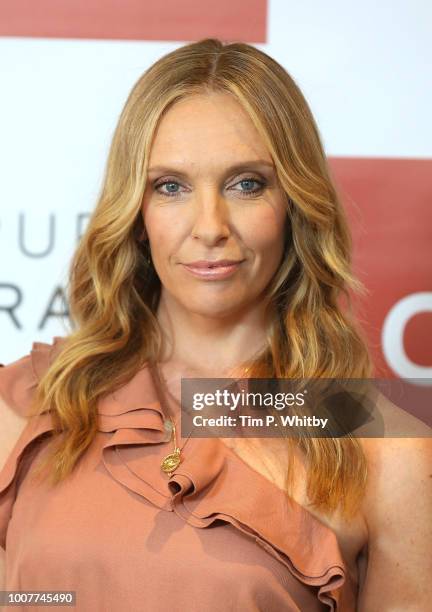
{"x": 254, "y": 163}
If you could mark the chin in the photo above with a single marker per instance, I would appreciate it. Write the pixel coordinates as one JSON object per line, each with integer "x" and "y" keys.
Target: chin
{"x": 213, "y": 310}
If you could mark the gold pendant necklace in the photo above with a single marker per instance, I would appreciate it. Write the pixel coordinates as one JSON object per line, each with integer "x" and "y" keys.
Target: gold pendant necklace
{"x": 171, "y": 462}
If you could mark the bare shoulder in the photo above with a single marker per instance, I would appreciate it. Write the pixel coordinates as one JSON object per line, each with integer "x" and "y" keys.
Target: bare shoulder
{"x": 398, "y": 468}
{"x": 396, "y": 508}
{"x": 406, "y": 441}
{"x": 399, "y": 464}
{"x": 399, "y": 422}
{"x": 12, "y": 425}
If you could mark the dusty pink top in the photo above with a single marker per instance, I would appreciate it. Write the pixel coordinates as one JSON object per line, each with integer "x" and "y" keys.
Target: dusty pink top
{"x": 215, "y": 536}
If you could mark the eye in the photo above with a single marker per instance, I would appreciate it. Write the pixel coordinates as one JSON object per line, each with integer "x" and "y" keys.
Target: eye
{"x": 169, "y": 193}
{"x": 248, "y": 181}
{"x": 172, "y": 187}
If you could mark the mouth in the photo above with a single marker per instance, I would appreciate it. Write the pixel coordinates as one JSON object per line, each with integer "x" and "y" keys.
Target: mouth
{"x": 213, "y": 270}
{"x": 204, "y": 263}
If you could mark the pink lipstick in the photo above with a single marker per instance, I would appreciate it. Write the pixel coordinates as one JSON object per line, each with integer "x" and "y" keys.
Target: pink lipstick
{"x": 213, "y": 270}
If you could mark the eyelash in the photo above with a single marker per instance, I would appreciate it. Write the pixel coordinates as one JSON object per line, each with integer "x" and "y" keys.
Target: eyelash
{"x": 245, "y": 194}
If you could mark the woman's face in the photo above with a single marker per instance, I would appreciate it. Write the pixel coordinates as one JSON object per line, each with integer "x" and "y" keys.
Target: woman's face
{"x": 212, "y": 194}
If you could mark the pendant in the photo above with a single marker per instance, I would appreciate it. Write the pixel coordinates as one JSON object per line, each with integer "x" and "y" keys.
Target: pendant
{"x": 171, "y": 461}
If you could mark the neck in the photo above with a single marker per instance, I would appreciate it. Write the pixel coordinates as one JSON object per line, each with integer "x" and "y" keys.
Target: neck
{"x": 210, "y": 345}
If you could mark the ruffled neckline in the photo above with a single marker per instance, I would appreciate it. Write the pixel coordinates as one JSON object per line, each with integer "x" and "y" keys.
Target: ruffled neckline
{"x": 212, "y": 482}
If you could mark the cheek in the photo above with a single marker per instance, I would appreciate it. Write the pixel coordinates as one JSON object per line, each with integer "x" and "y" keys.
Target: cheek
{"x": 161, "y": 244}
{"x": 161, "y": 233}
{"x": 264, "y": 231}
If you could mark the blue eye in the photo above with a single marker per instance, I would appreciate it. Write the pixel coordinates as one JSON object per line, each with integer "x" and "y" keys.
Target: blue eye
{"x": 170, "y": 193}
{"x": 251, "y": 192}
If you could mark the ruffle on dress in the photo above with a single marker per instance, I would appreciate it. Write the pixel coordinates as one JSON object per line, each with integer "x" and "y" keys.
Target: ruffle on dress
{"x": 211, "y": 483}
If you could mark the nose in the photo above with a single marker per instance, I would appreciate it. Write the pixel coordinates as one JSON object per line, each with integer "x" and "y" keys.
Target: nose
{"x": 211, "y": 219}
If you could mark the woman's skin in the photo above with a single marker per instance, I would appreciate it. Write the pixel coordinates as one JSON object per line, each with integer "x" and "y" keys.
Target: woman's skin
{"x": 211, "y": 217}
{"x": 211, "y": 326}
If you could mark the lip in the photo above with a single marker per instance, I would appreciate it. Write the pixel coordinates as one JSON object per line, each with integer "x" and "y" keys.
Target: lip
{"x": 209, "y": 263}
{"x": 213, "y": 270}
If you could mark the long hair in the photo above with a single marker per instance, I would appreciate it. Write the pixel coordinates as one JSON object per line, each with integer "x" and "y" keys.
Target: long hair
{"x": 113, "y": 290}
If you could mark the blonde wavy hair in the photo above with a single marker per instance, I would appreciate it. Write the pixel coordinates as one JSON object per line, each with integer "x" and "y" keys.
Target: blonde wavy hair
{"x": 113, "y": 292}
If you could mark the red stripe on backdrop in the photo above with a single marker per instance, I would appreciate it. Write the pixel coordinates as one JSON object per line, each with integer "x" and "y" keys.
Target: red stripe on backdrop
{"x": 163, "y": 20}
{"x": 389, "y": 206}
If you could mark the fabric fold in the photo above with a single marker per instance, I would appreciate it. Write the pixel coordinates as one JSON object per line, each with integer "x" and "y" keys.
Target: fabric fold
{"x": 211, "y": 483}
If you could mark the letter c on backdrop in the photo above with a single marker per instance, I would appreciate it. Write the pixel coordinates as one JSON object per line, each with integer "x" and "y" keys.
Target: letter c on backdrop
{"x": 393, "y": 332}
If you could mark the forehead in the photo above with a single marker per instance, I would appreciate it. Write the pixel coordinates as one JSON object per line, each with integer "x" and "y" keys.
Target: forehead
{"x": 206, "y": 129}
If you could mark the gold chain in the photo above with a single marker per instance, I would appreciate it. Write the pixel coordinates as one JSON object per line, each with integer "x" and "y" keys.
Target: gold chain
{"x": 171, "y": 462}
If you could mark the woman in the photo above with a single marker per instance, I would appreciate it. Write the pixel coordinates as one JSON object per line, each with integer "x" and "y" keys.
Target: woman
{"x": 218, "y": 247}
